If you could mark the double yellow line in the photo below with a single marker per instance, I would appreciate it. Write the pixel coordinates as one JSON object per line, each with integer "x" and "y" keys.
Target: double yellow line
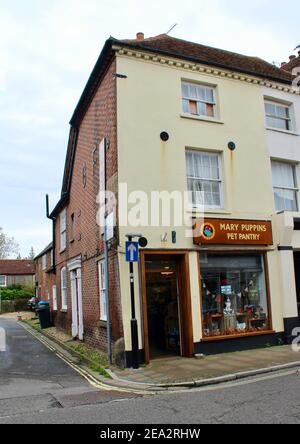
{"x": 94, "y": 382}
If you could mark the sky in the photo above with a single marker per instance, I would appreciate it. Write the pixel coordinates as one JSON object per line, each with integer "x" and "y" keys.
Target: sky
{"x": 47, "y": 51}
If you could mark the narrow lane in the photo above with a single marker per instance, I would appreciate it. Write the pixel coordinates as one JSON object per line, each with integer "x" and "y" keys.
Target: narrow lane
{"x": 33, "y": 379}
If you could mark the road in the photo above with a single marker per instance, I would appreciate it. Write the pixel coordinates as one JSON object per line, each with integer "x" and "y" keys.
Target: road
{"x": 37, "y": 387}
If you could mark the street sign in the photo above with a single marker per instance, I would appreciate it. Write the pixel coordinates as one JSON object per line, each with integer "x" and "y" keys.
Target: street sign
{"x": 110, "y": 227}
{"x": 132, "y": 251}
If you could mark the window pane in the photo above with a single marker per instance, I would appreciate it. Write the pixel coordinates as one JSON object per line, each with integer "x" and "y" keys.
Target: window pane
{"x": 201, "y": 93}
{"x": 185, "y": 90}
{"x": 285, "y": 200}
{"x": 282, "y": 111}
{"x": 234, "y": 298}
{"x": 283, "y": 175}
{"x": 273, "y": 122}
{"x": 201, "y": 109}
{"x": 270, "y": 109}
{"x": 186, "y": 106}
{"x": 209, "y": 95}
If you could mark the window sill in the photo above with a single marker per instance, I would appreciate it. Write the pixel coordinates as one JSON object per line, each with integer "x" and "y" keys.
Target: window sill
{"x": 242, "y": 335}
{"x": 201, "y": 118}
{"x": 277, "y": 130}
{"x": 209, "y": 211}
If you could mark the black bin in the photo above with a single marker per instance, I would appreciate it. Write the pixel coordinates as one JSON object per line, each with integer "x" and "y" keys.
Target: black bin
{"x": 44, "y": 315}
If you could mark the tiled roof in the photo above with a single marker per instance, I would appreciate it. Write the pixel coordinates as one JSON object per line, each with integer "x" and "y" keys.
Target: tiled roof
{"x": 45, "y": 250}
{"x": 295, "y": 63}
{"x": 212, "y": 56}
{"x": 16, "y": 267}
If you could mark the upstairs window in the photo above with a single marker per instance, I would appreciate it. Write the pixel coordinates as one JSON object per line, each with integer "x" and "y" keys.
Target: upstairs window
{"x": 44, "y": 262}
{"x": 278, "y": 116}
{"x": 198, "y": 100}
{"x": 63, "y": 230}
{"x": 285, "y": 186}
{"x": 204, "y": 179}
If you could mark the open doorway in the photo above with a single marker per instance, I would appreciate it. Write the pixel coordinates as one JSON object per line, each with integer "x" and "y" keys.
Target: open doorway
{"x": 163, "y": 308}
{"x": 167, "y": 315}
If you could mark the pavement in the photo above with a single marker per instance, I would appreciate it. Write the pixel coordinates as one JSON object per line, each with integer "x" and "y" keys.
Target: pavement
{"x": 38, "y": 385}
{"x": 172, "y": 371}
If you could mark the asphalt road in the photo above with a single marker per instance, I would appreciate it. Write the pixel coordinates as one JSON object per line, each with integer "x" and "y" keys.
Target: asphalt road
{"x": 37, "y": 387}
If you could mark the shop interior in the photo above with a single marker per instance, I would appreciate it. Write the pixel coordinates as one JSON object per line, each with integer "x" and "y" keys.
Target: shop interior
{"x": 163, "y": 308}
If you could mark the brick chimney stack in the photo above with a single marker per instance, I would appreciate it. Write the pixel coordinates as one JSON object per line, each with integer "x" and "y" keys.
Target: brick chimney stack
{"x": 292, "y": 57}
{"x": 140, "y": 36}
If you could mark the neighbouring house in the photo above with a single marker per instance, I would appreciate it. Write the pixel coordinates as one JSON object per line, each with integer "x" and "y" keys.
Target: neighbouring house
{"x": 170, "y": 116}
{"x": 16, "y": 272}
{"x": 45, "y": 279}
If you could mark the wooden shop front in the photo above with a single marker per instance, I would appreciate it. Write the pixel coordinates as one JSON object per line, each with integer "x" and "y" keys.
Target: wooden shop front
{"x": 234, "y": 282}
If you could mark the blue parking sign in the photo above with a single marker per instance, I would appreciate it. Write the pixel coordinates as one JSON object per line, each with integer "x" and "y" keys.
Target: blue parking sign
{"x": 132, "y": 251}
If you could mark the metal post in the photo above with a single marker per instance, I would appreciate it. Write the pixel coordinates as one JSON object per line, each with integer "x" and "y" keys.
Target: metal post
{"x": 134, "y": 325}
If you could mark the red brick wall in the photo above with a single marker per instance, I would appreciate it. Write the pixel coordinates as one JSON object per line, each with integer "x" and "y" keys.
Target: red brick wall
{"x": 44, "y": 280}
{"x": 98, "y": 122}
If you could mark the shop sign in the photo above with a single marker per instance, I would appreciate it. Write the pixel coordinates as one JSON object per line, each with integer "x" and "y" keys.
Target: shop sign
{"x": 232, "y": 232}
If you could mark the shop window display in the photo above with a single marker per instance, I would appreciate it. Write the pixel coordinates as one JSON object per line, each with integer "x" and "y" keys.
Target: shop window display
{"x": 234, "y": 298}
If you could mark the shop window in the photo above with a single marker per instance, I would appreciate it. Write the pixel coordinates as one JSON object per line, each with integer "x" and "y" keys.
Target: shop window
{"x": 204, "y": 179}
{"x": 278, "y": 116}
{"x": 234, "y": 296}
{"x": 284, "y": 185}
{"x": 198, "y": 100}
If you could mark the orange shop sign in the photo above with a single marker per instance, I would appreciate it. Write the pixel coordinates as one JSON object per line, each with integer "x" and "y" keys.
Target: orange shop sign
{"x": 235, "y": 232}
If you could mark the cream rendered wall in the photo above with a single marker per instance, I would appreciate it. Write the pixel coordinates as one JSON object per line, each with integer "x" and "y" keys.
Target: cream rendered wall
{"x": 149, "y": 102}
{"x": 285, "y": 146}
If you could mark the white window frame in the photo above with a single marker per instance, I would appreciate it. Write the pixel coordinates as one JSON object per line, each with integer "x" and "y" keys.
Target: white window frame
{"x": 63, "y": 230}
{"x": 5, "y": 281}
{"x": 54, "y": 298}
{"x": 44, "y": 262}
{"x": 102, "y": 290}
{"x": 295, "y": 189}
{"x": 64, "y": 289}
{"x": 288, "y": 120}
{"x": 198, "y": 100}
{"x": 219, "y": 181}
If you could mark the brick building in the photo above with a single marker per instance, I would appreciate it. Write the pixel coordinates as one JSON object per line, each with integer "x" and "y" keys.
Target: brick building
{"x": 172, "y": 115}
{"x": 45, "y": 279}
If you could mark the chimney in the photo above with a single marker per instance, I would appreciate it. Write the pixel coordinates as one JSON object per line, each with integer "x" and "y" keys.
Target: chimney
{"x": 283, "y": 64}
{"x": 292, "y": 57}
{"x": 140, "y": 36}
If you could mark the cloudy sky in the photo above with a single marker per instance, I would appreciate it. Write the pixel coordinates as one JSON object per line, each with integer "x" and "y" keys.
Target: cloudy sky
{"x": 47, "y": 50}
